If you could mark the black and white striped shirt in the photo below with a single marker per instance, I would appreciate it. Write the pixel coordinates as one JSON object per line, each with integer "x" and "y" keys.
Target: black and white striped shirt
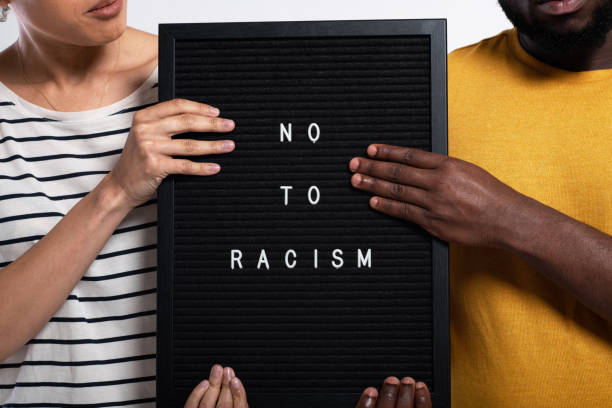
{"x": 98, "y": 350}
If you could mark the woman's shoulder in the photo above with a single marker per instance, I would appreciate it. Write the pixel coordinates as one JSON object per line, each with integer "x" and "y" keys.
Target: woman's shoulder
{"x": 143, "y": 45}
{"x": 142, "y": 49}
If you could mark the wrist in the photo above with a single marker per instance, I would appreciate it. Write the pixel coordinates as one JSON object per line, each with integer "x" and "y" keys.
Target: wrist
{"x": 524, "y": 225}
{"x": 110, "y": 198}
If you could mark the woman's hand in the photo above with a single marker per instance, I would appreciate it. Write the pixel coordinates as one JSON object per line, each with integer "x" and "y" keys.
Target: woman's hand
{"x": 146, "y": 159}
{"x": 454, "y": 200}
{"x": 396, "y": 394}
{"x": 222, "y": 390}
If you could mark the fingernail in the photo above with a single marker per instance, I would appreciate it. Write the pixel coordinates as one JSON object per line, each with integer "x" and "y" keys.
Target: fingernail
{"x": 357, "y": 179}
{"x": 235, "y": 384}
{"x": 232, "y": 373}
{"x": 391, "y": 380}
{"x": 372, "y": 150}
{"x": 354, "y": 164}
{"x": 213, "y": 167}
{"x": 374, "y": 201}
{"x": 203, "y": 385}
{"x": 370, "y": 401}
{"x": 228, "y": 124}
{"x": 214, "y": 111}
{"x": 227, "y": 374}
{"x": 407, "y": 381}
{"x": 420, "y": 386}
{"x": 217, "y": 370}
{"x": 228, "y": 146}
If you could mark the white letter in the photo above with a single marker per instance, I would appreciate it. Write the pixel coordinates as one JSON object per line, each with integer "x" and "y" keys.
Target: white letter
{"x": 236, "y": 256}
{"x": 263, "y": 259}
{"x": 286, "y": 188}
{"x": 316, "y": 258}
{"x": 367, "y": 260}
{"x": 285, "y": 132}
{"x": 315, "y": 188}
{"x": 314, "y": 139}
{"x": 337, "y": 254}
{"x": 290, "y": 265}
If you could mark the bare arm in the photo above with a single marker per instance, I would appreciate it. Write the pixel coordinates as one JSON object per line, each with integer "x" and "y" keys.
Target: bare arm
{"x": 460, "y": 202}
{"x": 33, "y": 287}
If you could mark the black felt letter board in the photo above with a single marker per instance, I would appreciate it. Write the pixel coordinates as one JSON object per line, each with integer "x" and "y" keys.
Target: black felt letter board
{"x": 277, "y": 266}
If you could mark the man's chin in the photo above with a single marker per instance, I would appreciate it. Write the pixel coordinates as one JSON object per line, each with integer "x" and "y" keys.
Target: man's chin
{"x": 563, "y": 33}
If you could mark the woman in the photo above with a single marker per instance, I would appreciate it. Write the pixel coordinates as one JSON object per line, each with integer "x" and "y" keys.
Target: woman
{"x": 83, "y": 148}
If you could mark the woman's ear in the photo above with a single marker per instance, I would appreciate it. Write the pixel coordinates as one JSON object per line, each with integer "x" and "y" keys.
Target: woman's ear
{"x": 3, "y": 10}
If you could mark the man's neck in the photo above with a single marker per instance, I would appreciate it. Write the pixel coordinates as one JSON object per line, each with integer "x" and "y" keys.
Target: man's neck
{"x": 586, "y": 59}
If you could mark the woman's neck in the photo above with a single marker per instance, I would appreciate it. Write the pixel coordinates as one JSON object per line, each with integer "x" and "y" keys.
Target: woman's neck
{"x": 65, "y": 65}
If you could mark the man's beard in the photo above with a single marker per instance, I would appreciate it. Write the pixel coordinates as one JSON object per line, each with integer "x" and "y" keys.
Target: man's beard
{"x": 593, "y": 35}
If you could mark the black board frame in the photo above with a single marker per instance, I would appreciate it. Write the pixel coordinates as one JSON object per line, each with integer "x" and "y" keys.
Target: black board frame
{"x": 436, "y": 29}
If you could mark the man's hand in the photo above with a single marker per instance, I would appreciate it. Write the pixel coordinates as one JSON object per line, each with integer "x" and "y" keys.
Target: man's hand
{"x": 396, "y": 394}
{"x": 450, "y": 198}
{"x": 459, "y": 202}
{"x": 222, "y": 390}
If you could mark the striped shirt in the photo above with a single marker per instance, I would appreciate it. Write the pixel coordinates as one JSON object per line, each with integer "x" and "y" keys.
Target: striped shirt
{"x": 98, "y": 350}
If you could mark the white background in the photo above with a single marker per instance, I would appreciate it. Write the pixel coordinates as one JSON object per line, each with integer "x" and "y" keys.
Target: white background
{"x": 468, "y": 20}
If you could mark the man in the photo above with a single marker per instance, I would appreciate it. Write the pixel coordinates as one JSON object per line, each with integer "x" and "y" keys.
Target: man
{"x": 529, "y": 211}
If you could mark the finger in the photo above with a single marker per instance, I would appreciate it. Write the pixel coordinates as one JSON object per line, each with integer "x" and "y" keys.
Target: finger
{"x": 388, "y": 393}
{"x": 196, "y": 395}
{"x": 190, "y": 147}
{"x": 238, "y": 393}
{"x": 398, "y": 209}
{"x": 368, "y": 398}
{"x": 422, "y": 398}
{"x": 183, "y": 166}
{"x": 189, "y": 122}
{"x": 212, "y": 393}
{"x": 406, "y": 155}
{"x": 397, "y": 192}
{"x": 175, "y": 107}
{"x": 394, "y": 172}
{"x": 225, "y": 398}
{"x": 405, "y": 398}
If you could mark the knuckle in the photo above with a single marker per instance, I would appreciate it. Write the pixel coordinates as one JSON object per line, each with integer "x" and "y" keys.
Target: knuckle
{"x": 181, "y": 104}
{"x": 219, "y": 147}
{"x": 397, "y": 190}
{"x": 408, "y": 155}
{"x": 139, "y": 131}
{"x": 151, "y": 164}
{"x": 406, "y": 212}
{"x": 448, "y": 165}
{"x": 137, "y": 117}
{"x": 395, "y": 172}
{"x": 186, "y": 166}
{"x": 384, "y": 151}
{"x": 216, "y": 123}
{"x": 189, "y": 121}
{"x": 189, "y": 145}
{"x": 386, "y": 205}
{"x": 369, "y": 166}
{"x": 146, "y": 147}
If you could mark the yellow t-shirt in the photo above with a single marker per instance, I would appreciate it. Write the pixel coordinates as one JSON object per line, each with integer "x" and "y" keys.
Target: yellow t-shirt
{"x": 517, "y": 340}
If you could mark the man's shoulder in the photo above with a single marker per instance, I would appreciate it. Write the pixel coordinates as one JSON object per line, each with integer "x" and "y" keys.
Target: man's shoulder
{"x": 488, "y": 49}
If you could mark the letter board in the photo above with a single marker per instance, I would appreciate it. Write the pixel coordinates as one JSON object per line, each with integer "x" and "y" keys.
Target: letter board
{"x": 277, "y": 266}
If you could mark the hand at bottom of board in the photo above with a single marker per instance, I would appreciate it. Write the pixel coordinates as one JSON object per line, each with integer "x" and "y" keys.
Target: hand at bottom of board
{"x": 224, "y": 390}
